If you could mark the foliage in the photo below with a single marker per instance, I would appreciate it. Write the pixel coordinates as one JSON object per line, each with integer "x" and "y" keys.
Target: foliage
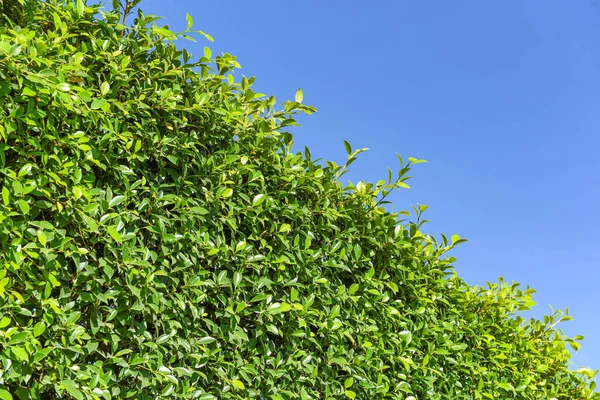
{"x": 160, "y": 238}
{"x": 11, "y": 11}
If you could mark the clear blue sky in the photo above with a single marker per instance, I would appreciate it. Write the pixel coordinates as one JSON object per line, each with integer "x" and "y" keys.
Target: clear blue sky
{"x": 502, "y": 98}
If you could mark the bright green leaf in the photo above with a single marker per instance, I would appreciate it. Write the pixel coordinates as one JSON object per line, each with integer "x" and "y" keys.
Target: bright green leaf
{"x": 190, "y": 21}
{"x": 285, "y": 228}
{"x": 5, "y": 195}
{"x": 116, "y": 201}
{"x": 24, "y": 206}
{"x": 112, "y": 231}
{"x": 238, "y": 384}
{"x": 104, "y": 88}
{"x": 20, "y": 353}
{"x": 98, "y": 103}
{"x": 41, "y": 237}
{"x": 65, "y": 87}
{"x": 258, "y": 200}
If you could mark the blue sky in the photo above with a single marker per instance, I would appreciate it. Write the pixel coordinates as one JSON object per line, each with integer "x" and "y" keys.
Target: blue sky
{"x": 502, "y": 98}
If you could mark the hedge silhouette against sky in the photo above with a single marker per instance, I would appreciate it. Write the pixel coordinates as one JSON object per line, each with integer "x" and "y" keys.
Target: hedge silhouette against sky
{"x": 161, "y": 238}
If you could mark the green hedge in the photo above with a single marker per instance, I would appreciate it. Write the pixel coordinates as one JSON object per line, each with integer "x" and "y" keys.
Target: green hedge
{"x": 161, "y": 238}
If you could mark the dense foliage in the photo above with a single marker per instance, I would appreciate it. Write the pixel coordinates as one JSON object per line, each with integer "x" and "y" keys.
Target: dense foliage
{"x": 160, "y": 238}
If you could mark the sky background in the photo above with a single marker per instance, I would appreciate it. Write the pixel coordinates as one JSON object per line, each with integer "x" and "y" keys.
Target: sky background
{"x": 502, "y": 98}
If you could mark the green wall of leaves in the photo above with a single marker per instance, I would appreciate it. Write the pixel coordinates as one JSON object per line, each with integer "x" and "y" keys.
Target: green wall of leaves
{"x": 161, "y": 239}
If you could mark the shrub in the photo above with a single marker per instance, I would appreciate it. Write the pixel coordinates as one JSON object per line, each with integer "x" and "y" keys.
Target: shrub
{"x": 161, "y": 238}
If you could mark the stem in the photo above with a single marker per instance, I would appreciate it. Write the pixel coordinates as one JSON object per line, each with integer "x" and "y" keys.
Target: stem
{"x": 126, "y": 10}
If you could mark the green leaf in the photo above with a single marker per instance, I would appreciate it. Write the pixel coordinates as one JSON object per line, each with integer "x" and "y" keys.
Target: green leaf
{"x": 299, "y": 96}
{"x": 98, "y": 103}
{"x": 277, "y": 308}
{"x": 203, "y": 98}
{"x": 104, "y": 88}
{"x": 17, "y": 188}
{"x": 241, "y": 245}
{"x": 5, "y": 395}
{"x": 206, "y": 340}
{"x": 41, "y": 237}
{"x": 14, "y": 50}
{"x": 77, "y": 192}
{"x": 237, "y": 278}
{"x": 91, "y": 223}
{"x": 25, "y": 170}
{"x": 29, "y": 92}
{"x": 413, "y": 160}
{"x": 240, "y": 307}
{"x": 5, "y": 195}
{"x": 407, "y": 336}
{"x": 39, "y": 329}
{"x": 116, "y": 201}
{"x": 206, "y": 35}
{"x": 19, "y": 337}
{"x": 348, "y": 147}
{"x": 168, "y": 390}
{"x": 5, "y": 89}
{"x": 425, "y": 360}
{"x": 258, "y": 200}
{"x": 41, "y": 354}
{"x": 190, "y": 21}
{"x": 505, "y": 386}
{"x": 255, "y": 258}
{"x": 227, "y": 192}
{"x": 199, "y": 210}
{"x": 164, "y": 32}
{"x": 80, "y": 7}
{"x": 20, "y": 353}
{"x": 258, "y": 297}
{"x": 285, "y": 228}
{"x": 112, "y": 231}
{"x": 163, "y": 339}
{"x": 4, "y": 322}
{"x": 24, "y": 206}
{"x": 238, "y": 384}
{"x": 65, "y": 87}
